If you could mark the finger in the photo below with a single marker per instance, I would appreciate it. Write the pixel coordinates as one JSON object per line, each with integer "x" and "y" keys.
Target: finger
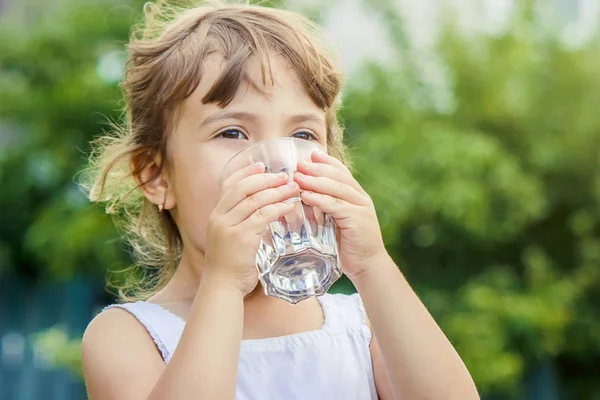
{"x": 337, "y": 172}
{"x": 248, "y": 186}
{"x": 324, "y": 158}
{"x": 331, "y": 187}
{"x": 241, "y": 174}
{"x": 261, "y": 218}
{"x": 258, "y": 200}
{"x": 337, "y": 208}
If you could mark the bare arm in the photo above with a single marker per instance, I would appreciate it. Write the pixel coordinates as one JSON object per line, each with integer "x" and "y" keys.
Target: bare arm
{"x": 205, "y": 363}
{"x": 121, "y": 361}
{"x": 204, "y": 366}
{"x": 419, "y": 360}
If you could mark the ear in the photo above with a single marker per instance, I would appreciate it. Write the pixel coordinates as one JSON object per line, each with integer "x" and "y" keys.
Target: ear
{"x": 154, "y": 183}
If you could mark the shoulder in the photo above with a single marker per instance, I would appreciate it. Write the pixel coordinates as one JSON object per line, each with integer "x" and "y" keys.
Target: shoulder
{"x": 119, "y": 356}
{"x": 111, "y": 323}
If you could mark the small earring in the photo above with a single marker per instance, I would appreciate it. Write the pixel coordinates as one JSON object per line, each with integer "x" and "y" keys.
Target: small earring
{"x": 161, "y": 207}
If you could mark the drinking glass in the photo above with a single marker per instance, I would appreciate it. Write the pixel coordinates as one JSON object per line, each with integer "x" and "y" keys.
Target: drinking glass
{"x": 298, "y": 254}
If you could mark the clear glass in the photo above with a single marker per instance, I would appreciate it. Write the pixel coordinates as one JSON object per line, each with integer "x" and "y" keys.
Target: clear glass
{"x": 298, "y": 255}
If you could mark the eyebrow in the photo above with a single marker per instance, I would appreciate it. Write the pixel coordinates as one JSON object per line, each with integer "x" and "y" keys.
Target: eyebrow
{"x": 240, "y": 115}
{"x": 245, "y": 116}
{"x": 300, "y": 118}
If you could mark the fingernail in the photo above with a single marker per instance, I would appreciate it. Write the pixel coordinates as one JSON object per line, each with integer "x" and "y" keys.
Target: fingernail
{"x": 300, "y": 175}
{"x": 282, "y": 175}
{"x": 292, "y": 184}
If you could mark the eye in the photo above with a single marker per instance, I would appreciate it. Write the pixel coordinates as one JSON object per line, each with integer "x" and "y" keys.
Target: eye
{"x": 232, "y": 133}
{"x": 306, "y": 135}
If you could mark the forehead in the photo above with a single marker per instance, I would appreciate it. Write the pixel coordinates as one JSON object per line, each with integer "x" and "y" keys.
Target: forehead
{"x": 273, "y": 80}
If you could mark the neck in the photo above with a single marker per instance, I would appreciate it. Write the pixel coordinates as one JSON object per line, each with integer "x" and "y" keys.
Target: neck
{"x": 184, "y": 284}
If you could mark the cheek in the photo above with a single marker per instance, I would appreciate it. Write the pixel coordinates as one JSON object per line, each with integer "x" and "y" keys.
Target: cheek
{"x": 197, "y": 169}
{"x": 196, "y": 190}
{"x": 206, "y": 188}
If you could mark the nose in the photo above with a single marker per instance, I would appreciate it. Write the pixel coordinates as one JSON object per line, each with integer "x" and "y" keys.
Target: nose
{"x": 273, "y": 134}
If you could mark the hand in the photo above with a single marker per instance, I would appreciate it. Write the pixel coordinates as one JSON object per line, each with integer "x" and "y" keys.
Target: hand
{"x": 328, "y": 184}
{"x": 248, "y": 201}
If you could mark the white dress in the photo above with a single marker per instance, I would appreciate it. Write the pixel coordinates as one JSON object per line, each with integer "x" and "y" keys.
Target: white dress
{"x": 332, "y": 363}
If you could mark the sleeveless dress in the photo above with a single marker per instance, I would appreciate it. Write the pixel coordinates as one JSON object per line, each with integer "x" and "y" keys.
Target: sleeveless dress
{"x": 332, "y": 363}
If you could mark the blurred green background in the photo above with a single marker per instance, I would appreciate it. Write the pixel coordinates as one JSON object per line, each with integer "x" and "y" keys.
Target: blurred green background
{"x": 481, "y": 151}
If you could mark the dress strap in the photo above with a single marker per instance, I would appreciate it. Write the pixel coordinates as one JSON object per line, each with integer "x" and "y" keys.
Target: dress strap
{"x": 344, "y": 310}
{"x": 163, "y": 326}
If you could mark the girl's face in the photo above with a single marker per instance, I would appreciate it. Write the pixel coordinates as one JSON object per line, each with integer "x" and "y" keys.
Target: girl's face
{"x": 206, "y": 136}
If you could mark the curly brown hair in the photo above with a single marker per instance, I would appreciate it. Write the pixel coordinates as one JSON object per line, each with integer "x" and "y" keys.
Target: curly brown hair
{"x": 166, "y": 53}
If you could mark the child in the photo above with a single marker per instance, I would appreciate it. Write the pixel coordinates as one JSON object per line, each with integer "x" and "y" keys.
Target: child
{"x": 202, "y": 84}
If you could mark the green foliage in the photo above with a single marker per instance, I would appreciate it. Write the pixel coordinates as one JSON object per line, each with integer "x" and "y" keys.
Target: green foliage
{"x": 481, "y": 156}
{"x": 59, "y": 351}
{"x": 58, "y": 76}
{"x": 486, "y": 182}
